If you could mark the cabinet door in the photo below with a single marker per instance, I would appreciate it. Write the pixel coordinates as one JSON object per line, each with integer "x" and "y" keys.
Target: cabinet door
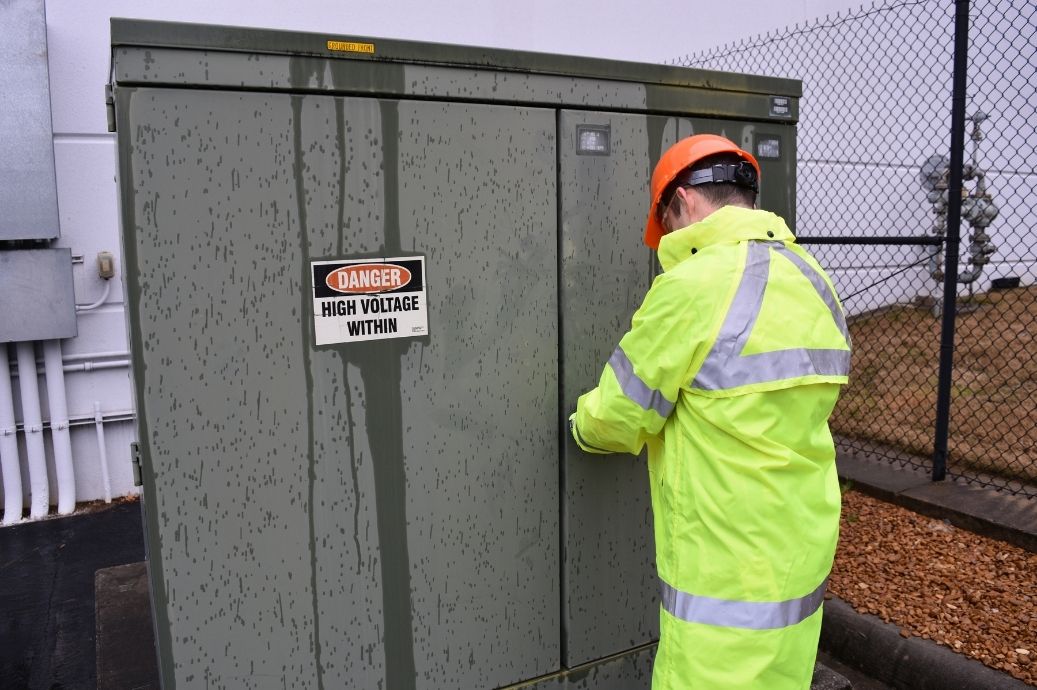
{"x": 609, "y": 587}
{"x": 610, "y": 592}
{"x": 379, "y": 514}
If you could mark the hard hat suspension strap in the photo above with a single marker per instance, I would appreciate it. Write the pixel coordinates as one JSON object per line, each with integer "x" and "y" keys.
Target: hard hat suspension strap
{"x": 742, "y": 174}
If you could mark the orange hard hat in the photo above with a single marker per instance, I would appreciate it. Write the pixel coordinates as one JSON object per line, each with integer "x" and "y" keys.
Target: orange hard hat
{"x": 678, "y": 157}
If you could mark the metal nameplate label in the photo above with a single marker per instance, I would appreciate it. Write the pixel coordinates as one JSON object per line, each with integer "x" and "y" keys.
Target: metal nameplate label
{"x": 781, "y": 106}
{"x": 351, "y": 47}
{"x": 593, "y": 140}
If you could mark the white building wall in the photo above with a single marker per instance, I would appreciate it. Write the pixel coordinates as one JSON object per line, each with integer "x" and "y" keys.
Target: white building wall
{"x": 876, "y": 104}
{"x": 85, "y": 156}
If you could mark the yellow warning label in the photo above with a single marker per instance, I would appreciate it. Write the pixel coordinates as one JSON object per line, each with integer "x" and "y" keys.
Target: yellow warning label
{"x": 350, "y": 47}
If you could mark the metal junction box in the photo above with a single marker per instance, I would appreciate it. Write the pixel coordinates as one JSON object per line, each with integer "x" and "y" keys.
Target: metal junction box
{"x": 367, "y": 280}
{"x": 37, "y": 300}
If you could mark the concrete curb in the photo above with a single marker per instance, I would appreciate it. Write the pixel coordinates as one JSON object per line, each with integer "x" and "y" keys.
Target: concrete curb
{"x": 982, "y": 510}
{"x": 877, "y": 649}
{"x": 827, "y": 679}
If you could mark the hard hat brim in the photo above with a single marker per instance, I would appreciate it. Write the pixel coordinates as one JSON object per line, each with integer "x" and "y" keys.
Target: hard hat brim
{"x": 654, "y": 230}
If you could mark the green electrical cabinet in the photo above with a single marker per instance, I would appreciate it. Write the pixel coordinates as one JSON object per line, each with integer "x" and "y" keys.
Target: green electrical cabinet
{"x": 354, "y": 484}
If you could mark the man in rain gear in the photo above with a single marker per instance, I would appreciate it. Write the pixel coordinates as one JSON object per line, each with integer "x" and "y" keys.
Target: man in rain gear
{"x": 728, "y": 375}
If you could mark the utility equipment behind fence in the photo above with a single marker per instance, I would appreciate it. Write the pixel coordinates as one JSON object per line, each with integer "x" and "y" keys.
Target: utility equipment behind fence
{"x": 876, "y": 187}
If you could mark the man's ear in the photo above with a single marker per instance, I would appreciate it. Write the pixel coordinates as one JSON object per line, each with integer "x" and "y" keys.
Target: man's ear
{"x": 692, "y": 201}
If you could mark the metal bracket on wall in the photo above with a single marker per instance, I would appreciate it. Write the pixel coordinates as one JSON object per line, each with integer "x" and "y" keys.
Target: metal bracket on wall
{"x": 135, "y": 459}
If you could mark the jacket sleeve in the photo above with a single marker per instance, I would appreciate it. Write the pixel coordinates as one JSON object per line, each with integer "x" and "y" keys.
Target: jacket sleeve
{"x": 640, "y": 384}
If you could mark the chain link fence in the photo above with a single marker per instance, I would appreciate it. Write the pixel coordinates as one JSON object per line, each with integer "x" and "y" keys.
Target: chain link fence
{"x": 874, "y": 144}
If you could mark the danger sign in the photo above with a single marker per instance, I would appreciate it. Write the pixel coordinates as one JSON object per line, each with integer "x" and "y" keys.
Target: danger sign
{"x": 369, "y": 299}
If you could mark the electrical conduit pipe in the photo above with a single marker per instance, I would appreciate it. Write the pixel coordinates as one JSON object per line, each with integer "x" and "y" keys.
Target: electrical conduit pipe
{"x": 102, "y": 449}
{"x": 63, "y": 469}
{"x": 33, "y": 425}
{"x": 11, "y": 465}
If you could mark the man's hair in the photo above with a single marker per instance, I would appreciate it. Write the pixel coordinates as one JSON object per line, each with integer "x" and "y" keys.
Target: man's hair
{"x": 722, "y": 193}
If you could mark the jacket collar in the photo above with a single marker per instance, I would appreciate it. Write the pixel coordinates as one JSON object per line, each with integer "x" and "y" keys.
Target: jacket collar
{"x": 727, "y": 225}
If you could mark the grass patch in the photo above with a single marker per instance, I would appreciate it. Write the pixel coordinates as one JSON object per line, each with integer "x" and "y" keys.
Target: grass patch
{"x": 891, "y": 397}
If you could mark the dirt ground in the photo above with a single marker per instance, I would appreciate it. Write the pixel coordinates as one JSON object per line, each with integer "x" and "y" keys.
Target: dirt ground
{"x": 973, "y": 594}
{"x": 891, "y": 398}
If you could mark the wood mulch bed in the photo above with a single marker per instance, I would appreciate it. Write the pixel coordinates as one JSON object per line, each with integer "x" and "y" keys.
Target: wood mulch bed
{"x": 975, "y": 595}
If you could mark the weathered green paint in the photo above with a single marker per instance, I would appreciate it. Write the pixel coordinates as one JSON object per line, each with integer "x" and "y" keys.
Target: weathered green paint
{"x": 131, "y": 32}
{"x": 393, "y": 415}
{"x": 609, "y": 598}
{"x": 606, "y": 270}
{"x": 298, "y": 168}
{"x": 393, "y": 513}
{"x": 132, "y": 292}
{"x": 379, "y": 366}
{"x": 738, "y": 105}
{"x": 211, "y": 68}
{"x": 631, "y": 670}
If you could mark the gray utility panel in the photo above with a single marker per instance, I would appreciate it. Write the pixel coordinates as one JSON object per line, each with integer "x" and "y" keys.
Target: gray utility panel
{"x": 37, "y": 300}
{"x": 401, "y": 512}
{"x": 28, "y": 189}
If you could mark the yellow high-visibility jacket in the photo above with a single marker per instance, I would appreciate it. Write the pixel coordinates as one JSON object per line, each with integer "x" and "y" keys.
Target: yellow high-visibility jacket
{"x": 729, "y": 373}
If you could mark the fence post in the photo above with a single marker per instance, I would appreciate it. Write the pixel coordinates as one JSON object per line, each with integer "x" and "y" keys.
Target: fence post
{"x": 950, "y": 284}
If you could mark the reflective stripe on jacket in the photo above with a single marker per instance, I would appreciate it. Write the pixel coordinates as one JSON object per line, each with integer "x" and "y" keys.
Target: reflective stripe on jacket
{"x": 728, "y": 374}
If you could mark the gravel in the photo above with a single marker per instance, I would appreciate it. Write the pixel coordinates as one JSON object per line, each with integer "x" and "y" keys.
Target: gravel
{"x": 975, "y": 595}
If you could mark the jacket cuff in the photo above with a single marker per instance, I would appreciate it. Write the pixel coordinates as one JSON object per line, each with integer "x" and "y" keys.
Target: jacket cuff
{"x": 575, "y": 433}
